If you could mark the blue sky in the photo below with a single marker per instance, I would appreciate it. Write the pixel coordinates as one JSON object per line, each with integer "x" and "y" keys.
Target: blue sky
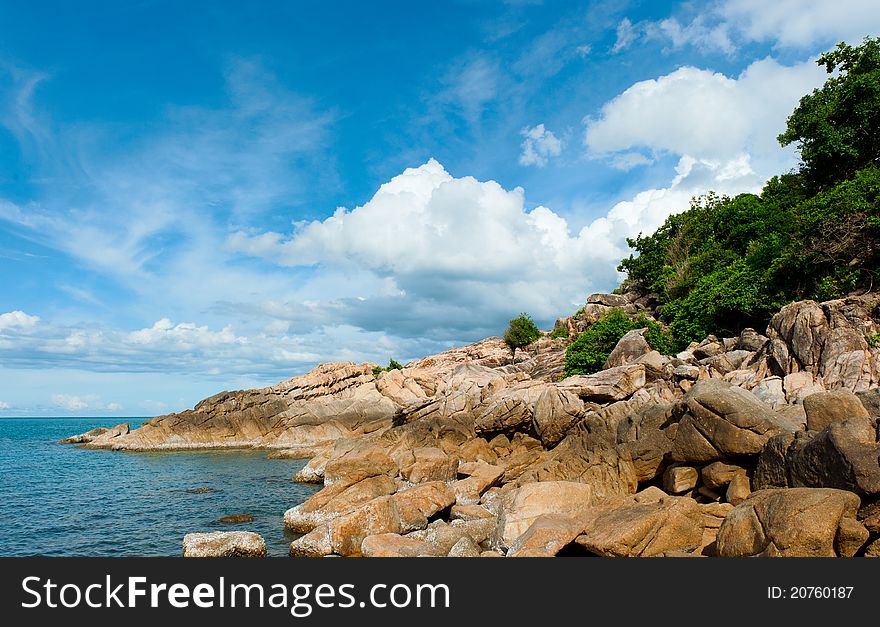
{"x": 207, "y": 195}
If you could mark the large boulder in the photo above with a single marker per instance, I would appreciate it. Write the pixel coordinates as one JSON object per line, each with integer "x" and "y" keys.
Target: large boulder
{"x": 647, "y": 437}
{"x": 586, "y": 455}
{"x": 844, "y": 455}
{"x": 829, "y": 340}
{"x": 427, "y": 463}
{"x": 546, "y": 536}
{"x": 614, "y": 384}
{"x": 772, "y": 470}
{"x": 525, "y": 504}
{"x": 361, "y": 462}
{"x": 609, "y": 300}
{"x": 508, "y": 410}
{"x": 556, "y": 411}
{"x": 826, "y": 408}
{"x": 405, "y": 511}
{"x": 224, "y": 544}
{"x": 336, "y": 500}
{"x": 628, "y": 349}
{"x": 723, "y": 421}
{"x": 647, "y": 525}
{"x": 794, "y": 522}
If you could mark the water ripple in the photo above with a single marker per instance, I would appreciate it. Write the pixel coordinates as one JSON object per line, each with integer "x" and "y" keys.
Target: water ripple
{"x": 62, "y": 500}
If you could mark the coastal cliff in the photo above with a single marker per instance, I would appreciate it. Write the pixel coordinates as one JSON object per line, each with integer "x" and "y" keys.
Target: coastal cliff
{"x": 760, "y": 444}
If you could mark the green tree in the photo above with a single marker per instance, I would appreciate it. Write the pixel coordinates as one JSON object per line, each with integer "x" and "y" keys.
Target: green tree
{"x": 727, "y": 263}
{"x": 837, "y": 127}
{"x": 589, "y": 352}
{"x": 521, "y": 331}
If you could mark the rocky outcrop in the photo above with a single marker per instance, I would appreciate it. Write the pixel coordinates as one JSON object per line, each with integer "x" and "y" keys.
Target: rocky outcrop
{"x": 797, "y": 522}
{"x": 723, "y": 421}
{"x": 224, "y": 544}
{"x": 104, "y": 433}
{"x": 759, "y": 444}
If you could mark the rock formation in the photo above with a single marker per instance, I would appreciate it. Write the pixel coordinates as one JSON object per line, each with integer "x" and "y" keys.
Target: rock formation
{"x": 761, "y": 444}
{"x": 224, "y": 544}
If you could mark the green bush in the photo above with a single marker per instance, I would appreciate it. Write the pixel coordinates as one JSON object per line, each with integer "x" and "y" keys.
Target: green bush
{"x": 589, "y": 352}
{"x": 521, "y": 331}
{"x": 559, "y": 332}
{"x": 729, "y": 263}
{"x": 392, "y": 365}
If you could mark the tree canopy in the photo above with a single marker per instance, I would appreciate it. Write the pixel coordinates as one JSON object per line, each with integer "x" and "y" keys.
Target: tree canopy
{"x": 727, "y": 263}
{"x": 521, "y": 332}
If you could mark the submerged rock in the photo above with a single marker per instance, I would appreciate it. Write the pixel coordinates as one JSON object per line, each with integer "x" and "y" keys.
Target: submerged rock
{"x": 236, "y": 518}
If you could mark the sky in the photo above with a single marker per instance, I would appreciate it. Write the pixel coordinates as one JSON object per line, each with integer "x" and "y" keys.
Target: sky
{"x": 199, "y": 196}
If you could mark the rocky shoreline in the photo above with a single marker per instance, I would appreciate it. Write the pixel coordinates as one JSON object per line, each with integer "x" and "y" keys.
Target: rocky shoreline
{"x": 759, "y": 444}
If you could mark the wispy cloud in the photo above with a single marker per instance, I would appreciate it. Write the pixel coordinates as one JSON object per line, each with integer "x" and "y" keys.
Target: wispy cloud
{"x": 539, "y": 146}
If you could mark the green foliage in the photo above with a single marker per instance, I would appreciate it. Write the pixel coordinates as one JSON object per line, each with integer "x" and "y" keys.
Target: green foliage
{"x": 520, "y": 332}
{"x": 837, "y": 127}
{"x": 589, "y": 352}
{"x": 392, "y": 365}
{"x": 559, "y": 332}
{"x": 728, "y": 263}
{"x": 874, "y": 340}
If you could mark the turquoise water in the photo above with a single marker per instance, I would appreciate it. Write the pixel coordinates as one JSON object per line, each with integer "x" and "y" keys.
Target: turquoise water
{"x": 58, "y": 499}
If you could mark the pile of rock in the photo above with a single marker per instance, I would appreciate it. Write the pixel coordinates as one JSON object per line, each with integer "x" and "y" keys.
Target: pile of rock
{"x": 759, "y": 444}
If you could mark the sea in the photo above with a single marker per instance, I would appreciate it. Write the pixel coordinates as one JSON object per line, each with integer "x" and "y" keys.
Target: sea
{"x": 64, "y": 500}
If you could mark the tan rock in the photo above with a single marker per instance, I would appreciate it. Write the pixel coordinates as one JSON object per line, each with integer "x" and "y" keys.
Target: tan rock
{"x": 794, "y": 416}
{"x": 647, "y": 437}
{"x": 739, "y": 489}
{"x": 844, "y": 455}
{"x": 417, "y": 504}
{"x": 104, "y": 433}
{"x": 800, "y": 385}
{"x": 526, "y": 503}
{"x": 680, "y": 479}
{"x": 586, "y": 455}
{"x": 469, "y": 512}
{"x": 643, "y": 529}
{"x": 719, "y": 474}
{"x": 224, "y": 544}
{"x": 405, "y": 511}
{"x": 826, "y": 408}
{"x": 723, "y": 421}
{"x": 873, "y": 549}
{"x": 792, "y": 522}
{"x": 395, "y": 545}
{"x": 614, "y": 384}
{"x": 546, "y": 536}
{"x": 465, "y": 547}
{"x": 556, "y": 411}
{"x": 628, "y": 349}
{"x": 481, "y": 477}
{"x": 336, "y": 500}
{"x": 427, "y": 463}
{"x": 361, "y": 462}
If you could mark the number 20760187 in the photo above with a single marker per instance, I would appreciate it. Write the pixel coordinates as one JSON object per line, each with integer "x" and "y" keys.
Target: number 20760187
{"x": 810, "y": 592}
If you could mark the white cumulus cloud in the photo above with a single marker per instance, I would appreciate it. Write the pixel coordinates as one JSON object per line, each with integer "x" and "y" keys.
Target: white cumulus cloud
{"x": 706, "y": 115}
{"x": 456, "y": 242}
{"x": 538, "y": 146}
{"x": 798, "y": 23}
{"x": 17, "y": 320}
